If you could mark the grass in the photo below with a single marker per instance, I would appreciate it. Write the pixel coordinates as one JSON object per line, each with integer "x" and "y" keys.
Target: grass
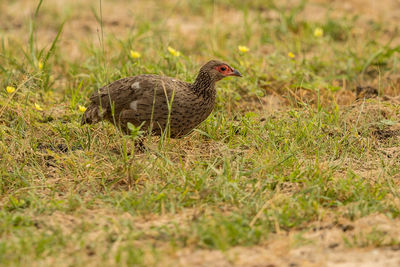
{"x": 255, "y": 171}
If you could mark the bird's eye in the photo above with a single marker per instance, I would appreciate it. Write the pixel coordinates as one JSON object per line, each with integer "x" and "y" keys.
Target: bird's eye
{"x": 223, "y": 68}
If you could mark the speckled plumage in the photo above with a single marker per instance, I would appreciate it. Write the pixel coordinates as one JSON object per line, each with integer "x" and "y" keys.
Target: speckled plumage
{"x": 153, "y": 99}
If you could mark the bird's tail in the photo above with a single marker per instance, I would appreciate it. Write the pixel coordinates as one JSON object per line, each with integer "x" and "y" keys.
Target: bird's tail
{"x": 91, "y": 115}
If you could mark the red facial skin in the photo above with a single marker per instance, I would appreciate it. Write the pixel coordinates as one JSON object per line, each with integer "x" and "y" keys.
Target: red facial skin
{"x": 224, "y": 69}
{"x": 227, "y": 71}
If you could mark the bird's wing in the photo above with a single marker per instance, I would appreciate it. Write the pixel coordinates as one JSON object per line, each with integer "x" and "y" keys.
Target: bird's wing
{"x": 142, "y": 93}
{"x": 118, "y": 93}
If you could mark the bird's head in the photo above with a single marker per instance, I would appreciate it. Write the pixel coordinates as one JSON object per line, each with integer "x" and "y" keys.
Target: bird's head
{"x": 219, "y": 70}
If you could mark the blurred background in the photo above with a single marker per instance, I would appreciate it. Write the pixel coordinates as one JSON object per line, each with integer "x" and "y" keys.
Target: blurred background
{"x": 288, "y": 45}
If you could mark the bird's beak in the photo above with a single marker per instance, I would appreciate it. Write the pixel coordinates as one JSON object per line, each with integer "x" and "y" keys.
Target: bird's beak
{"x": 235, "y": 73}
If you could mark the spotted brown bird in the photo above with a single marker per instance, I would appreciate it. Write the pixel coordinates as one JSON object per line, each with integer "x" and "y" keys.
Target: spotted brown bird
{"x": 154, "y": 100}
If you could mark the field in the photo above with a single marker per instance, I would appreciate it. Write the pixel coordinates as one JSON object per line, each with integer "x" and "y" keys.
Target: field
{"x": 298, "y": 165}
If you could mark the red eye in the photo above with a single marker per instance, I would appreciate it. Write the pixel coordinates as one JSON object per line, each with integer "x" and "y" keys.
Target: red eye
{"x": 223, "y": 68}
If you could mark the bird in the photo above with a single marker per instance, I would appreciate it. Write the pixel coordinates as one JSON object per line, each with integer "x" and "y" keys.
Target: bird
{"x": 159, "y": 103}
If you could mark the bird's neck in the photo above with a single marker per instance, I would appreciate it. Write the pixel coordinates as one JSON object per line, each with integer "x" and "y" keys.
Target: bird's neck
{"x": 204, "y": 85}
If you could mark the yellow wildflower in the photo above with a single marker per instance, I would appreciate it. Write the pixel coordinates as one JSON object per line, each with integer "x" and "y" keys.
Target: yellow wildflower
{"x": 38, "y": 107}
{"x": 243, "y": 49}
{"x": 318, "y": 32}
{"x": 291, "y": 55}
{"x": 10, "y": 89}
{"x": 135, "y": 54}
{"x": 40, "y": 65}
{"x": 81, "y": 108}
{"x": 173, "y": 52}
